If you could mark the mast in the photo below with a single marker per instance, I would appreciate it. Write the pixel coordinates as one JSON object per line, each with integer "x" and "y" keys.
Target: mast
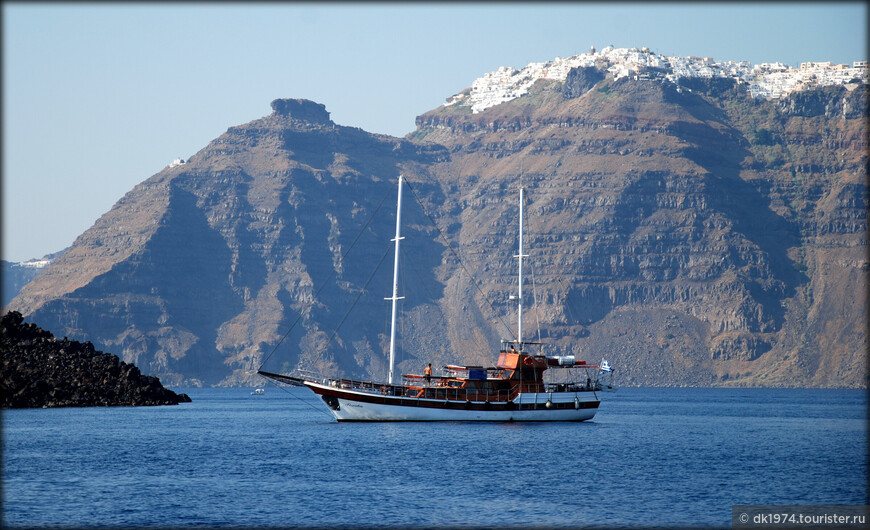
{"x": 520, "y": 256}
{"x": 395, "y": 298}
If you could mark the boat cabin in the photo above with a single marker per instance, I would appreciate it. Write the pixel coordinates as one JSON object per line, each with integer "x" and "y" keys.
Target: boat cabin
{"x": 514, "y": 373}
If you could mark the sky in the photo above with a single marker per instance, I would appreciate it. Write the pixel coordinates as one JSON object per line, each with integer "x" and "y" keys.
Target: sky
{"x": 99, "y": 97}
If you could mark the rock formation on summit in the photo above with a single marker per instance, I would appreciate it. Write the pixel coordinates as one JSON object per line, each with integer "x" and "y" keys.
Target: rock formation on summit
{"x": 301, "y": 109}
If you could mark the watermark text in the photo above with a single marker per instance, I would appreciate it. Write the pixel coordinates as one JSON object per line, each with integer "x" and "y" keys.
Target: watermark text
{"x": 821, "y": 516}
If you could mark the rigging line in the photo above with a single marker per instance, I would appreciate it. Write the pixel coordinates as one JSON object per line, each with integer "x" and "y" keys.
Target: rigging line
{"x": 326, "y": 281}
{"x": 401, "y": 310}
{"x": 386, "y": 320}
{"x": 461, "y": 264}
{"x": 387, "y": 310}
{"x": 403, "y": 318}
{"x": 535, "y": 301}
{"x": 529, "y": 222}
{"x": 291, "y": 394}
{"x": 358, "y": 296}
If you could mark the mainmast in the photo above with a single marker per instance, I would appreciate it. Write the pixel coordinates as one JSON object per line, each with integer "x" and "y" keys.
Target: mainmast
{"x": 395, "y": 298}
{"x": 520, "y": 256}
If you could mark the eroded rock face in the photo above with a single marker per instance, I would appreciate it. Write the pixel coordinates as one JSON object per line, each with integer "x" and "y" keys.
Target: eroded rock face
{"x": 15, "y": 276}
{"x": 301, "y": 109}
{"x": 580, "y": 80}
{"x": 41, "y": 371}
{"x": 689, "y": 230}
{"x": 848, "y": 101}
{"x": 691, "y": 235}
{"x": 198, "y": 272}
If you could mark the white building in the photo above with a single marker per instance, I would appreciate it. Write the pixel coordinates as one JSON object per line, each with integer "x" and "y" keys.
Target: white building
{"x": 769, "y": 80}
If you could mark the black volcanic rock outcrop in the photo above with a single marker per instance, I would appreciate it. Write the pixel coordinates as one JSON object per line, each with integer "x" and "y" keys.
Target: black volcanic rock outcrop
{"x": 41, "y": 371}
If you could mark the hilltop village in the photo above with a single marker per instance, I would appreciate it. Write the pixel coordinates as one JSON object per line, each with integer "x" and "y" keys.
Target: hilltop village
{"x": 767, "y": 80}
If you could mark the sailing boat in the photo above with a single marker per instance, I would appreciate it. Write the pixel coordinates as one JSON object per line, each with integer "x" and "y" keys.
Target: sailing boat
{"x": 512, "y": 390}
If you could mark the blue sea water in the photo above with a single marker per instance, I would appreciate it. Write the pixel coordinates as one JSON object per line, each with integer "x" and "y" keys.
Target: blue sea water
{"x": 664, "y": 457}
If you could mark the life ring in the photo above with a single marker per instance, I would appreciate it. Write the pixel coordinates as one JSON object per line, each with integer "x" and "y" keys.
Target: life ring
{"x": 528, "y": 361}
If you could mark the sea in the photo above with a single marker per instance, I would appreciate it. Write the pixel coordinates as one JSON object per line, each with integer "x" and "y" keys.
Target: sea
{"x": 651, "y": 457}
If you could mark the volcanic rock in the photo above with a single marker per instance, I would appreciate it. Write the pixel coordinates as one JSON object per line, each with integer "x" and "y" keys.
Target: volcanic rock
{"x": 41, "y": 371}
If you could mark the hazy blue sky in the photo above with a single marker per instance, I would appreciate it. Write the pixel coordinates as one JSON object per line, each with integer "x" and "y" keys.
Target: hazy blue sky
{"x": 99, "y": 97}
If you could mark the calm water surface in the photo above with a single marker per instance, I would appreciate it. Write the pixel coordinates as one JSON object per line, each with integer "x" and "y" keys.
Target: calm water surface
{"x": 671, "y": 457}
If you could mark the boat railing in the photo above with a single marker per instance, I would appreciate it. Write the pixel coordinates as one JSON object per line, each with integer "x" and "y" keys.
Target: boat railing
{"x": 448, "y": 393}
{"x": 589, "y": 386}
{"x": 440, "y": 388}
{"x": 365, "y": 386}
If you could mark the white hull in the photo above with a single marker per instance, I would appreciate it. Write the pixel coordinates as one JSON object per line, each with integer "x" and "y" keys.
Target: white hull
{"x": 357, "y": 406}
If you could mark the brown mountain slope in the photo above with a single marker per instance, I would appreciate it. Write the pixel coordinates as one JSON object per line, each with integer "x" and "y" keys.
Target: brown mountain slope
{"x": 688, "y": 250}
{"x": 198, "y": 272}
{"x": 691, "y": 235}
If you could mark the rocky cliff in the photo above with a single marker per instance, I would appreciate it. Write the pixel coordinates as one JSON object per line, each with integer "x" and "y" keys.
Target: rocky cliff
{"x": 699, "y": 236}
{"x": 15, "y": 277}
{"x": 40, "y": 371}
{"x": 690, "y": 233}
{"x": 198, "y": 272}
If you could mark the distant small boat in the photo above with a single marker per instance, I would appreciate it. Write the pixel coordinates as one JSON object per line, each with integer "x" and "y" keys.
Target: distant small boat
{"x": 258, "y": 392}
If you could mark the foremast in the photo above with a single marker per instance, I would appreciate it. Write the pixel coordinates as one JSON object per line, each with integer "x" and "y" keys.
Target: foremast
{"x": 395, "y": 298}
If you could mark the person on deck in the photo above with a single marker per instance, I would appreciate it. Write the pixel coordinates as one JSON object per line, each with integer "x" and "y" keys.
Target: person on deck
{"x": 427, "y": 372}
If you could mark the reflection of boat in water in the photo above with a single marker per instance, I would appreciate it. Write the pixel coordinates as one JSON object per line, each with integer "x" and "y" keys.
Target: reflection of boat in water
{"x": 514, "y": 389}
{"x": 258, "y": 392}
